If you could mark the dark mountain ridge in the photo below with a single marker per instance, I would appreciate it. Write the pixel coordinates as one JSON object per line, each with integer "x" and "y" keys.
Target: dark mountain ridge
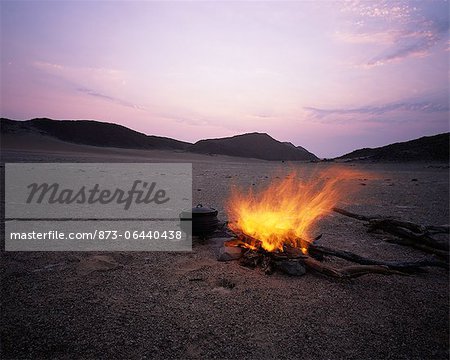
{"x": 251, "y": 145}
{"x": 95, "y": 133}
{"x": 427, "y": 148}
{"x": 90, "y": 132}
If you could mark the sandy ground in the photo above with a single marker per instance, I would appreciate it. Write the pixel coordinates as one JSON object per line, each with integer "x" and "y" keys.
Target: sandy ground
{"x": 189, "y": 305}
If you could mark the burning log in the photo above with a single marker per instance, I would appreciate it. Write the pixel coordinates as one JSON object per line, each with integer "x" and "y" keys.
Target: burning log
{"x": 297, "y": 265}
{"x": 407, "y": 233}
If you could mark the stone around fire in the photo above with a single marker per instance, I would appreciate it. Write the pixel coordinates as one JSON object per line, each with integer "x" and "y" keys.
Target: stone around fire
{"x": 229, "y": 253}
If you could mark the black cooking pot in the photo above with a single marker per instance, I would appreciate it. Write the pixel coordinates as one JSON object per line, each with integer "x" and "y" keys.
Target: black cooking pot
{"x": 204, "y": 220}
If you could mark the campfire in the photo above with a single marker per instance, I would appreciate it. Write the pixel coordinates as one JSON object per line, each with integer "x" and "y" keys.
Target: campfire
{"x": 284, "y": 214}
{"x": 275, "y": 227}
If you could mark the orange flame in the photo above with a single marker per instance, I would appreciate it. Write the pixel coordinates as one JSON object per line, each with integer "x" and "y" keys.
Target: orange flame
{"x": 285, "y": 212}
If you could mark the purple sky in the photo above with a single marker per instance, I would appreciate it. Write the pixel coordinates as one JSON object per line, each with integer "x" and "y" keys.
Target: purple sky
{"x": 329, "y": 76}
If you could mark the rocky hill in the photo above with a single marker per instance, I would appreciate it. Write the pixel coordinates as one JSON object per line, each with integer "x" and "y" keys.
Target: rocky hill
{"x": 88, "y": 132}
{"x": 427, "y": 148}
{"x": 254, "y": 145}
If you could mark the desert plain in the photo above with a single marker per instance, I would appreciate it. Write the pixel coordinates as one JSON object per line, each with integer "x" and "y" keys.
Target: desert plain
{"x": 169, "y": 305}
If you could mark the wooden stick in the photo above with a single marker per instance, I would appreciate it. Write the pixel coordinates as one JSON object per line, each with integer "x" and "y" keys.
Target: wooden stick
{"x": 349, "y": 271}
{"x": 402, "y": 266}
{"x": 418, "y": 235}
{"x": 395, "y": 227}
{"x": 407, "y": 242}
{"x": 436, "y": 229}
{"x": 352, "y": 215}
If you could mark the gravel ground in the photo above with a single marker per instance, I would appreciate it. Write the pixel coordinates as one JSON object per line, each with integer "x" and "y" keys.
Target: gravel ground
{"x": 189, "y": 305}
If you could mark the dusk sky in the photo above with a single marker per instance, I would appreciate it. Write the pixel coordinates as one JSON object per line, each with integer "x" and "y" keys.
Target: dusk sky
{"x": 329, "y": 76}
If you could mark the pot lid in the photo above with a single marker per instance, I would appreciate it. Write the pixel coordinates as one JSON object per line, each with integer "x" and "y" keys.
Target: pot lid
{"x": 200, "y": 209}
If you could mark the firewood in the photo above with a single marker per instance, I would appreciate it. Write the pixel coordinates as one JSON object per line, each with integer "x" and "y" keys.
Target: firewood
{"x": 267, "y": 265}
{"x": 250, "y": 241}
{"x": 402, "y": 266}
{"x": 409, "y": 233}
{"x": 321, "y": 268}
{"x": 352, "y": 215}
{"x": 349, "y": 271}
{"x": 255, "y": 256}
{"x": 397, "y": 228}
{"x": 438, "y": 229}
{"x": 250, "y": 259}
{"x": 406, "y": 224}
{"x": 444, "y": 255}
